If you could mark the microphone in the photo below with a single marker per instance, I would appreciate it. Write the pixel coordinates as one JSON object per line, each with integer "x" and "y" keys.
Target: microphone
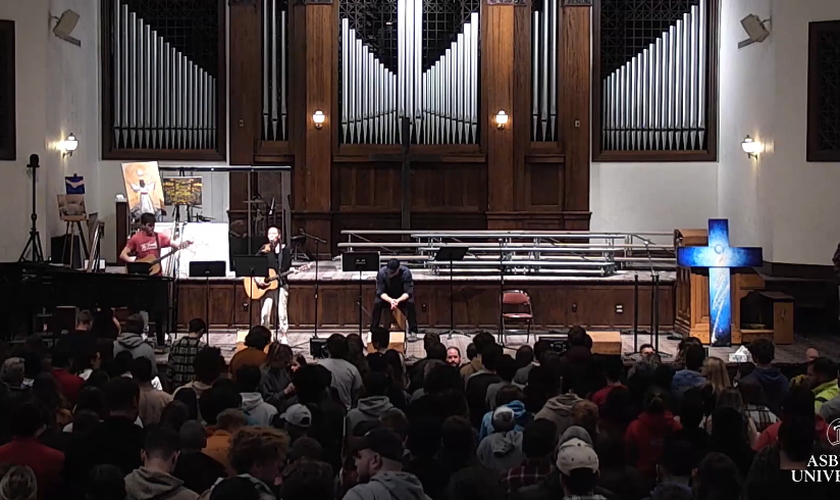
{"x": 271, "y": 207}
{"x": 34, "y": 161}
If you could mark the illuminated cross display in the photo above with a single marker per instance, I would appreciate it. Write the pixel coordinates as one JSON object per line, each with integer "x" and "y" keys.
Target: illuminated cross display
{"x": 719, "y": 258}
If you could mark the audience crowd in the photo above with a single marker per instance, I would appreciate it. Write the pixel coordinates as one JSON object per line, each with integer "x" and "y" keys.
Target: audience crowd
{"x": 94, "y": 418}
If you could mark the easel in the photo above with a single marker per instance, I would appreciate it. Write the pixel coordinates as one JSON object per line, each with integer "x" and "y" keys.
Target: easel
{"x": 72, "y": 229}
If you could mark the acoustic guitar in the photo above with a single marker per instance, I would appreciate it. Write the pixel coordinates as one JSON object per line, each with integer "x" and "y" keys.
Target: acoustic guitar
{"x": 256, "y": 288}
{"x": 154, "y": 262}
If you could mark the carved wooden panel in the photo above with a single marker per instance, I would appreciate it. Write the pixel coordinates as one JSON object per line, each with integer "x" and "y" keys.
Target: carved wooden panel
{"x": 824, "y": 92}
{"x": 8, "y": 140}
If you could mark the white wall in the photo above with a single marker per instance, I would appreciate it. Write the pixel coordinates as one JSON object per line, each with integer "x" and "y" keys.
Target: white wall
{"x": 652, "y": 196}
{"x": 31, "y": 29}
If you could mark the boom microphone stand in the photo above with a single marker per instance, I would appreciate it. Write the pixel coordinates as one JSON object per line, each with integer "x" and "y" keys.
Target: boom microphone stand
{"x": 318, "y": 242}
{"x": 34, "y": 242}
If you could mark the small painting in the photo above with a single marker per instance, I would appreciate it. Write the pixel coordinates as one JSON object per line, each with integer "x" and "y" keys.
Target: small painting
{"x": 71, "y": 207}
{"x": 143, "y": 188}
{"x": 182, "y": 191}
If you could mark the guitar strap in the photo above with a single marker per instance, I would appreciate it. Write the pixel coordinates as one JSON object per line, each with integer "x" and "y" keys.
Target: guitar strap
{"x": 157, "y": 243}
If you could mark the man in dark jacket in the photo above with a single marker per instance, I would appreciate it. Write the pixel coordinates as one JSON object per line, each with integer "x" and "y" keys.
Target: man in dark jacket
{"x": 395, "y": 289}
{"x": 774, "y": 383}
{"x": 478, "y": 382}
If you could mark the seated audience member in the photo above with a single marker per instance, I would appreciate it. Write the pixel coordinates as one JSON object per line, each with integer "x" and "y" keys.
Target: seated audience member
{"x": 258, "y": 455}
{"x": 730, "y": 438}
{"x": 506, "y": 370}
{"x": 12, "y": 374}
{"x": 175, "y": 415}
{"x": 755, "y": 405}
{"x": 615, "y": 475}
{"x": 538, "y": 442}
{"x": 19, "y": 483}
{"x": 731, "y": 398}
{"x": 328, "y": 416}
{"x": 613, "y": 368}
{"x": 510, "y": 397}
{"x": 647, "y": 351}
{"x": 690, "y": 376}
{"x": 524, "y": 356}
{"x": 443, "y": 395}
{"x": 256, "y": 341}
{"x": 198, "y": 471}
{"x": 379, "y": 464}
{"x": 717, "y": 478}
{"x": 478, "y": 382}
{"x": 345, "y": 376}
{"x": 181, "y": 364}
{"x": 645, "y": 436}
{"x": 453, "y": 356}
{"x": 105, "y": 482}
{"x": 585, "y": 415}
{"x": 799, "y": 403}
{"x": 154, "y": 479}
{"x": 121, "y": 365}
{"x": 309, "y": 480}
{"x": 374, "y": 404}
{"x": 93, "y": 359}
{"x": 258, "y": 411}
{"x": 105, "y": 324}
{"x": 822, "y": 377}
{"x": 457, "y": 441}
{"x": 305, "y": 448}
{"x": 615, "y": 415}
{"x": 424, "y": 443}
{"x": 68, "y": 384}
{"x": 540, "y": 347}
{"x": 356, "y": 353}
{"x": 152, "y": 401}
{"x": 380, "y": 338}
{"x": 472, "y": 483}
{"x": 276, "y": 381}
{"x": 578, "y": 466}
{"x": 558, "y": 409}
{"x": 209, "y": 365}
{"x": 81, "y": 341}
{"x": 190, "y": 400}
{"x": 218, "y": 443}
{"x": 26, "y": 422}
{"x": 470, "y": 353}
{"x": 714, "y": 369}
{"x": 434, "y": 351}
{"x": 501, "y": 450}
{"x": 131, "y": 340}
{"x": 480, "y": 342}
{"x": 296, "y": 421}
{"x": 691, "y": 417}
{"x": 427, "y": 368}
{"x": 774, "y": 383}
{"x": 673, "y": 473}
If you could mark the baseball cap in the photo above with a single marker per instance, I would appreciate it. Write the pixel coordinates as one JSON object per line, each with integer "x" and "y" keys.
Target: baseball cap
{"x": 384, "y": 442}
{"x": 576, "y": 454}
{"x": 393, "y": 264}
{"x": 298, "y": 415}
{"x": 503, "y": 419}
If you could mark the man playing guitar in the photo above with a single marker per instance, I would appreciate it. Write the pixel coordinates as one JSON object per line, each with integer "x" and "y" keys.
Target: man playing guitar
{"x": 147, "y": 242}
{"x": 280, "y": 260}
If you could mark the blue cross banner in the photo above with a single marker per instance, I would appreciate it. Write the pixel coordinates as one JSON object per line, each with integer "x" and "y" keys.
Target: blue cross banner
{"x": 719, "y": 258}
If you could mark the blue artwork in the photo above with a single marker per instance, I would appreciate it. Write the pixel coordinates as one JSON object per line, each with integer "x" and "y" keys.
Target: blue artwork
{"x": 719, "y": 258}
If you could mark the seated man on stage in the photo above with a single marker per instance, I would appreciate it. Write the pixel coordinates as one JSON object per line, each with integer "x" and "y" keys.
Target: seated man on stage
{"x": 395, "y": 289}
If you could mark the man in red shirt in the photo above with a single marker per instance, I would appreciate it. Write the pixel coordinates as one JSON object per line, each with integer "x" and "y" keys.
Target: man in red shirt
{"x": 25, "y": 422}
{"x": 146, "y": 241}
{"x": 68, "y": 384}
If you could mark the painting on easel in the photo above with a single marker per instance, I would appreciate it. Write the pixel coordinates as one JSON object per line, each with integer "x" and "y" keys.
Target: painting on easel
{"x": 71, "y": 207}
{"x": 143, "y": 188}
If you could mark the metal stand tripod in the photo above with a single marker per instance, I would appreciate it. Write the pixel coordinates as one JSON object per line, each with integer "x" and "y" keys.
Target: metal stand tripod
{"x": 34, "y": 242}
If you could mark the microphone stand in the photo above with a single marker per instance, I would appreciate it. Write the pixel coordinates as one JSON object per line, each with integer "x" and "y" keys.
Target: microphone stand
{"x": 318, "y": 242}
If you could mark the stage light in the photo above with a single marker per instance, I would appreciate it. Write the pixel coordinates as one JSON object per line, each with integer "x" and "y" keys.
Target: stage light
{"x": 69, "y": 145}
{"x": 318, "y": 117}
{"x": 501, "y": 119}
{"x": 751, "y": 147}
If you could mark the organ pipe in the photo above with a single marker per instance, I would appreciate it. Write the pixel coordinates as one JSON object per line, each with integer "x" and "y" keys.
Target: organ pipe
{"x": 161, "y": 99}
{"x": 544, "y": 71}
{"x": 656, "y": 101}
{"x": 275, "y": 123}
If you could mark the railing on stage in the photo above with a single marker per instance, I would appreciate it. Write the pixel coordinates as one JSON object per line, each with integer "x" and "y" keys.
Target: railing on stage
{"x": 522, "y": 252}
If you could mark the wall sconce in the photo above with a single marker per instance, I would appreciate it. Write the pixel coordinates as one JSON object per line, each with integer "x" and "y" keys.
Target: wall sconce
{"x": 751, "y": 147}
{"x": 318, "y": 117}
{"x": 69, "y": 145}
{"x": 501, "y": 119}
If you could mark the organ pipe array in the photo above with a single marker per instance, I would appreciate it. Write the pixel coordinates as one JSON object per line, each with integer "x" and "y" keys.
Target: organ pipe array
{"x": 441, "y": 101}
{"x": 544, "y": 72}
{"x": 275, "y": 70}
{"x": 657, "y": 100}
{"x": 161, "y": 99}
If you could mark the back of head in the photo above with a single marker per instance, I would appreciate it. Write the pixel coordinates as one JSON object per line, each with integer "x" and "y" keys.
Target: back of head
{"x": 141, "y": 370}
{"x": 218, "y": 399}
{"x": 161, "y": 443}
{"x": 692, "y": 408}
{"x": 84, "y": 422}
{"x": 763, "y": 351}
{"x": 121, "y": 394}
{"x": 436, "y": 350}
{"x": 655, "y": 401}
{"x": 197, "y": 325}
{"x": 122, "y": 363}
{"x": 613, "y": 367}
{"x": 482, "y": 340}
{"x": 105, "y": 482}
{"x": 799, "y": 401}
{"x": 694, "y": 357}
{"x": 231, "y": 420}
{"x": 424, "y": 436}
{"x": 306, "y": 448}
{"x": 25, "y": 415}
{"x": 752, "y": 392}
{"x": 84, "y": 318}
{"x": 256, "y": 446}
{"x": 309, "y": 479}
{"x": 456, "y": 436}
{"x": 12, "y": 372}
{"x": 209, "y": 364}
{"x": 240, "y": 488}
{"x": 471, "y": 483}
{"x": 337, "y": 346}
{"x": 309, "y": 384}
{"x": 539, "y": 438}
{"x": 717, "y": 478}
{"x": 472, "y": 351}
{"x": 19, "y": 483}
{"x": 258, "y": 337}
{"x": 797, "y": 435}
{"x": 524, "y": 356}
{"x": 491, "y": 355}
{"x": 679, "y": 458}
{"x": 248, "y": 378}
{"x": 380, "y": 337}
{"x": 395, "y": 420}
{"x": 193, "y": 436}
{"x": 61, "y": 357}
{"x": 188, "y": 396}
{"x": 508, "y": 394}
{"x": 134, "y": 324}
{"x": 585, "y": 414}
{"x": 376, "y": 384}
{"x": 579, "y": 338}
{"x": 540, "y": 348}
{"x": 824, "y": 368}
{"x": 728, "y": 426}
{"x": 442, "y": 378}
{"x": 506, "y": 368}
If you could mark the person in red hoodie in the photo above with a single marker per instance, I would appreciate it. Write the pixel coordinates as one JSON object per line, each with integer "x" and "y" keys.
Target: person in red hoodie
{"x": 68, "y": 384}
{"x": 645, "y": 437}
{"x": 25, "y": 423}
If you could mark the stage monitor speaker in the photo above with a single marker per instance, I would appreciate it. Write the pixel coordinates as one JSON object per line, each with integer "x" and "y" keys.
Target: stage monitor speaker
{"x": 60, "y": 254}
{"x": 558, "y": 343}
{"x": 318, "y": 348}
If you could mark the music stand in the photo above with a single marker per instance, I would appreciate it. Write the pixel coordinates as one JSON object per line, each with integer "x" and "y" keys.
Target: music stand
{"x": 208, "y": 269}
{"x": 361, "y": 262}
{"x": 251, "y": 266}
{"x": 451, "y": 254}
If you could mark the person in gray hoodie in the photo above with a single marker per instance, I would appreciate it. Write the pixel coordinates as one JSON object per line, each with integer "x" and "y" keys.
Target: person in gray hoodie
{"x": 154, "y": 479}
{"x": 255, "y": 409}
{"x": 559, "y": 408}
{"x": 502, "y": 450}
{"x": 379, "y": 464}
{"x": 374, "y": 404}
{"x": 131, "y": 340}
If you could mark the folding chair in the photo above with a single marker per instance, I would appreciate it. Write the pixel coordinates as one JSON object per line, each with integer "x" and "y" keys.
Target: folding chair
{"x": 516, "y": 308}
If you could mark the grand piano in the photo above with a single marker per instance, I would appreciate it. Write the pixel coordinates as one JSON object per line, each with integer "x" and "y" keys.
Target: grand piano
{"x": 29, "y": 288}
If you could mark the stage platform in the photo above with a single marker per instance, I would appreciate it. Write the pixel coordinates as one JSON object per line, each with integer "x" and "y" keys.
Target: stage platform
{"x": 599, "y": 302}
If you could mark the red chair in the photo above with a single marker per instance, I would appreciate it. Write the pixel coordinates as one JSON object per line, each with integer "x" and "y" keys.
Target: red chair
{"x": 516, "y": 308}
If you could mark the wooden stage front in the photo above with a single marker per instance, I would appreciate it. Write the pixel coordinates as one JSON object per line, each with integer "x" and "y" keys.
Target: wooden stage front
{"x": 558, "y": 302}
